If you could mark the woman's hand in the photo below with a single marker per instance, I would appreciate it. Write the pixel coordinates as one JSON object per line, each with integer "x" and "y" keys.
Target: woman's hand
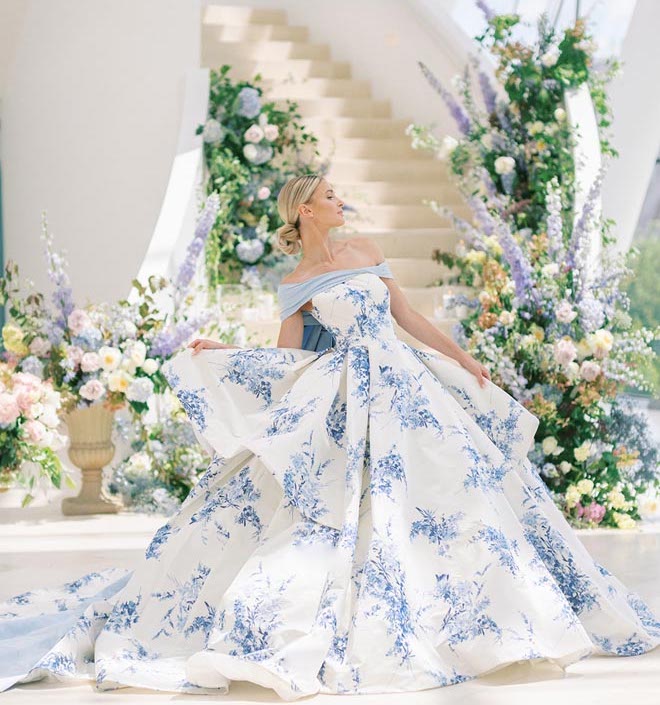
{"x": 205, "y": 344}
{"x": 476, "y": 368}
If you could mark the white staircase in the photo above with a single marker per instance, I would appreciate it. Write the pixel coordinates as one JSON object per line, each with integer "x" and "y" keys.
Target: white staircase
{"x": 372, "y": 165}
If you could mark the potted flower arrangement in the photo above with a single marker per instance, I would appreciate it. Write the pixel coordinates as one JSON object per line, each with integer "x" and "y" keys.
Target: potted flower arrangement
{"x": 99, "y": 358}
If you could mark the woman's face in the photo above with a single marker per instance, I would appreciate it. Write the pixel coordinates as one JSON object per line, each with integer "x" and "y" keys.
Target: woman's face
{"x": 327, "y": 207}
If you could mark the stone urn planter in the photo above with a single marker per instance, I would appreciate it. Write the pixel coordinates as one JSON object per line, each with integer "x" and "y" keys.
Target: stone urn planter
{"x": 90, "y": 449}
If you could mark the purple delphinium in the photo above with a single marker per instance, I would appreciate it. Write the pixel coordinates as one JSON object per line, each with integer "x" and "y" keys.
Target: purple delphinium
{"x": 167, "y": 342}
{"x": 457, "y": 112}
{"x": 521, "y": 270}
{"x": 62, "y": 295}
{"x": 488, "y": 92}
{"x": 578, "y": 246}
{"x": 203, "y": 228}
{"x": 485, "y": 8}
{"x": 554, "y": 222}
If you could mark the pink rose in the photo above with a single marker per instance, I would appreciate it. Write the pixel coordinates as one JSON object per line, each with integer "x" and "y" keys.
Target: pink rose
{"x": 92, "y": 390}
{"x": 565, "y": 352}
{"x": 78, "y": 320}
{"x": 74, "y": 354}
{"x": 90, "y": 362}
{"x": 589, "y": 370}
{"x": 9, "y": 410}
{"x": 26, "y": 397}
{"x": 35, "y": 431}
{"x": 40, "y": 347}
{"x": 271, "y": 132}
{"x": 263, "y": 192}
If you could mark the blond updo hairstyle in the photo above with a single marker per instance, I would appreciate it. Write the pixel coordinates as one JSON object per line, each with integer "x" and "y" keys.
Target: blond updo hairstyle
{"x": 295, "y": 191}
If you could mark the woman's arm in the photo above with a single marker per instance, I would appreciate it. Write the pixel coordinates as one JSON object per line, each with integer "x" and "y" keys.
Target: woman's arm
{"x": 291, "y": 331}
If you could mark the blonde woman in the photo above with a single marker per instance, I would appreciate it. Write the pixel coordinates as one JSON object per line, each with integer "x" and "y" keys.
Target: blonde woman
{"x": 369, "y": 523}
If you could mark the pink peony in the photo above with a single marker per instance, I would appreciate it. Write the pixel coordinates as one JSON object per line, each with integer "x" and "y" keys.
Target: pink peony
{"x": 26, "y": 397}
{"x": 90, "y": 362}
{"x": 9, "y": 410}
{"x": 594, "y": 512}
{"x": 92, "y": 390}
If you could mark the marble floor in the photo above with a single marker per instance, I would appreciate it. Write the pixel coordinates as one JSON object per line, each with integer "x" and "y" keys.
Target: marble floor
{"x": 41, "y": 547}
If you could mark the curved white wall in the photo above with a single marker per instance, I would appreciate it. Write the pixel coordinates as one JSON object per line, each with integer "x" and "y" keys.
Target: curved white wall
{"x": 636, "y": 123}
{"x": 91, "y": 105}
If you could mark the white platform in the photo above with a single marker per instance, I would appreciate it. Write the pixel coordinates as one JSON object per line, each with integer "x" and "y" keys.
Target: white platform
{"x": 39, "y": 547}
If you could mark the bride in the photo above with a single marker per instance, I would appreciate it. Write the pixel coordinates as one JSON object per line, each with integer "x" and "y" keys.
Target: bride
{"x": 369, "y": 521}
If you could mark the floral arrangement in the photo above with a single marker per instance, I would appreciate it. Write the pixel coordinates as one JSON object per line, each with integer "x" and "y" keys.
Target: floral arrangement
{"x": 251, "y": 150}
{"x": 164, "y": 464}
{"x": 29, "y": 420}
{"x": 552, "y": 326}
{"x": 103, "y": 353}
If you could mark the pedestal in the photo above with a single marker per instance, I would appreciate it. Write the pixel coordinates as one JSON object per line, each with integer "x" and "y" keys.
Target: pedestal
{"x": 90, "y": 449}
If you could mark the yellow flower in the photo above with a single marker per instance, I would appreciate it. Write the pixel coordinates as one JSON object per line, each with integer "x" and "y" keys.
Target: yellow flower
{"x": 538, "y": 333}
{"x": 583, "y": 451}
{"x": 585, "y": 486}
{"x": 572, "y": 496}
{"x": 617, "y": 499}
{"x": 476, "y": 256}
{"x": 12, "y": 337}
{"x": 624, "y": 521}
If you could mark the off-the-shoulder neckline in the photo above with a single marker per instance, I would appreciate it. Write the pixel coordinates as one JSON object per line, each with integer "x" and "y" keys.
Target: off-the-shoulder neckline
{"x": 333, "y": 271}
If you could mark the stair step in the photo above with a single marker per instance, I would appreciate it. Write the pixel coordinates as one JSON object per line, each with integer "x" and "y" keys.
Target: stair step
{"x": 386, "y": 170}
{"x": 316, "y": 88}
{"x": 397, "y": 192}
{"x": 385, "y": 216}
{"x": 239, "y": 14}
{"x": 246, "y": 69}
{"x": 410, "y": 242}
{"x": 346, "y": 107}
{"x": 254, "y": 33}
{"x": 271, "y": 50}
{"x": 342, "y": 127}
{"x": 372, "y": 148}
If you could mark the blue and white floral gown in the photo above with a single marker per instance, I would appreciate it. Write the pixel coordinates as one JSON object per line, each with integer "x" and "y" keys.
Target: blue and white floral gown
{"x": 369, "y": 523}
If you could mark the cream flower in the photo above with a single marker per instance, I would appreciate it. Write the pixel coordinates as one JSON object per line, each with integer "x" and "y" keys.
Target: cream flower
{"x": 505, "y": 165}
{"x": 110, "y": 357}
{"x": 585, "y": 486}
{"x": 573, "y": 496}
{"x": 583, "y": 451}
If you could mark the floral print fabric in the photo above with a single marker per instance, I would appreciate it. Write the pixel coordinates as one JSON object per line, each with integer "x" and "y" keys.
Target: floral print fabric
{"x": 369, "y": 523}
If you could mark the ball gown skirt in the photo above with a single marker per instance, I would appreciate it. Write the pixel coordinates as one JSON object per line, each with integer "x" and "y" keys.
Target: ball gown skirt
{"x": 369, "y": 523}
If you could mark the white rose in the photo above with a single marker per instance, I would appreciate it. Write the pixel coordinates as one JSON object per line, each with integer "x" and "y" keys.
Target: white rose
{"x": 140, "y": 463}
{"x": 565, "y": 466}
{"x": 138, "y": 352}
{"x": 447, "y": 146}
{"x": 110, "y": 358}
{"x": 250, "y": 152}
{"x": 550, "y": 57}
{"x": 565, "y": 312}
{"x": 560, "y": 114}
{"x": 253, "y": 134}
{"x": 505, "y": 165}
{"x": 549, "y": 444}
{"x": 49, "y": 417}
{"x": 573, "y": 496}
{"x": 550, "y": 270}
{"x": 507, "y": 317}
{"x": 150, "y": 365}
{"x": 90, "y": 362}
